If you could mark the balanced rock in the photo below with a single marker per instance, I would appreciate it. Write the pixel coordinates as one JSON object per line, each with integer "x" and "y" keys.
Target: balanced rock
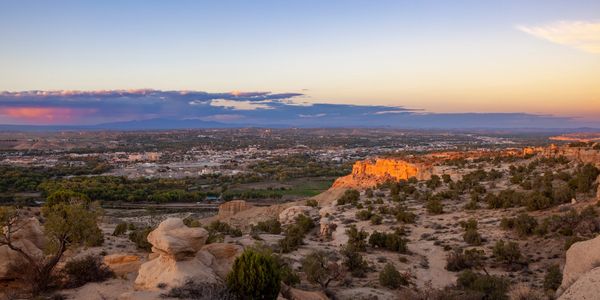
{"x": 173, "y": 238}
{"x": 29, "y": 237}
{"x": 581, "y": 258}
{"x": 183, "y": 257}
{"x": 231, "y": 208}
{"x": 288, "y": 216}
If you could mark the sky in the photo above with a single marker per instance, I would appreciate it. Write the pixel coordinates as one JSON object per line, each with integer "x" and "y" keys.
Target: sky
{"x": 538, "y": 60}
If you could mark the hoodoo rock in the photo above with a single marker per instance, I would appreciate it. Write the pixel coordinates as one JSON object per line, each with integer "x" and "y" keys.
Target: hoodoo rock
{"x": 183, "y": 256}
{"x": 288, "y": 216}
{"x": 30, "y": 238}
{"x": 231, "y": 208}
{"x": 173, "y": 238}
{"x": 370, "y": 173}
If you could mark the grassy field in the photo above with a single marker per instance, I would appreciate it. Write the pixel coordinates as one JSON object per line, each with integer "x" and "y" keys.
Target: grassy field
{"x": 296, "y": 188}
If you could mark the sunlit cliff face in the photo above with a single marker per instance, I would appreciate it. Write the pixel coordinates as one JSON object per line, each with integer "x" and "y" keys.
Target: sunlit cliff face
{"x": 45, "y": 115}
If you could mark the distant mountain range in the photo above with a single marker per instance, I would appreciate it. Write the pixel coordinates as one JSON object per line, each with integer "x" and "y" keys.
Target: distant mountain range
{"x": 166, "y": 124}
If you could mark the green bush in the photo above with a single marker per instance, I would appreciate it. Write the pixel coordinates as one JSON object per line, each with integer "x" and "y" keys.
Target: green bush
{"x": 390, "y": 277}
{"x": 255, "y": 275}
{"x": 507, "y": 252}
{"x": 294, "y": 237}
{"x": 140, "y": 238}
{"x": 523, "y": 224}
{"x": 471, "y": 236}
{"x": 312, "y": 203}
{"x": 459, "y": 260}
{"x": 271, "y": 226}
{"x": 120, "y": 229}
{"x": 79, "y": 271}
{"x": 376, "y": 219}
{"x": 393, "y": 241}
{"x": 553, "y": 278}
{"x": 489, "y": 287}
{"x": 357, "y": 239}
{"x": 354, "y": 261}
{"x": 434, "y": 206}
{"x": 364, "y": 215}
{"x": 320, "y": 269}
{"x": 305, "y": 223}
{"x": 217, "y": 229}
{"x": 349, "y": 197}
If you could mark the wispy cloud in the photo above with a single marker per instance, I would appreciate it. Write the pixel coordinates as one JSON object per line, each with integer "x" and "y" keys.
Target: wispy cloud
{"x": 581, "y": 35}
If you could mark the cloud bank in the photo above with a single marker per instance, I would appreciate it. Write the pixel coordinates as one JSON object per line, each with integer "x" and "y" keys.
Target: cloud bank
{"x": 178, "y": 109}
{"x": 581, "y": 35}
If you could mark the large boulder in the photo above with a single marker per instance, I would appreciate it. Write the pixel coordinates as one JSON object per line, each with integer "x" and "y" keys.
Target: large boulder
{"x": 231, "y": 208}
{"x": 288, "y": 216}
{"x": 586, "y": 287}
{"x": 581, "y": 258}
{"x": 175, "y": 239}
{"x": 29, "y": 237}
{"x": 179, "y": 256}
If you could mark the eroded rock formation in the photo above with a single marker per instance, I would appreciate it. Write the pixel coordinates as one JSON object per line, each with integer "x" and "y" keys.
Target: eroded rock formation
{"x": 123, "y": 264}
{"x": 370, "y": 173}
{"x": 183, "y": 256}
{"x": 231, "y": 208}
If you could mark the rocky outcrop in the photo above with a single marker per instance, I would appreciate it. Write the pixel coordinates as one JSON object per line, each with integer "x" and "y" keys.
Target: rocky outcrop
{"x": 581, "y": 258}
{"x": 29, "y": 237}
{"x": 123, "y": 264}
{"x": 231, "y": 208}
{"x": 183, "y": 257}
{"x": 586, "y": 287}
{"x": 288, "y": 216}
{"x": 370, "y": 173}
{"x": 291, "y": 293}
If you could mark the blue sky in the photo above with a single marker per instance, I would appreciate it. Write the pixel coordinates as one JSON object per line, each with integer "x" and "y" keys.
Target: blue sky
{"x": 439, "y": 56}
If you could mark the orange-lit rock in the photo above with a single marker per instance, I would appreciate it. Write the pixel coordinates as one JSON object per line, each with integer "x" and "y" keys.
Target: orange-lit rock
{"x": 370, "y": 173}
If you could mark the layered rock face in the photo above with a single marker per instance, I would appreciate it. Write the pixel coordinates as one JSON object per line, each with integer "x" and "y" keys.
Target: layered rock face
{"x": 183, "y": 256}
{"x": 29, "y": 238}
{"x": 231, "y": 208}
{"x": 123, "y": 264}
{"x": 370, "y": 173}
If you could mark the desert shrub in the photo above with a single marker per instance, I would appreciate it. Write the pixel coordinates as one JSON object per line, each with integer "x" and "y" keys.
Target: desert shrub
{"x": 523, "y": 224}
{"x": 434, "y": 206}
{"x": 191, "y": 222}
{"x": 434, "y": 182}
{"x": 271, "y": 226}
{"x": 459, "y": 260}
{"x": 553, "y": 278}
{"x": 471, "y": 235}
{"x": 390, "y": 277}
{"x": 255, "y": 275}
{"x": 140, "y": 238}
{"x": 487, "y": 286}
{"x": 120, "y": 229}
{"x": 376, "y": 219}
{"x": 305, "y": 223}
{"x": 349, "y": 197}
{"x": 369, "y": 193}
{"x": 507, "y": 252}
{"x": 294, "y": 237}
{"x": 404, "y": 216}
{"x": 521, "y": 291}
{"x": 537, "y": 201}
{"x": 312, "y": 203}
{"x": 356, "y": 238}
{"x": 321, "y": 269}
{"x": 393, "y": 241}
{"x": 217, "y": 229}
{"x": 584, "y": 178}
{"x": 201, "y": 291}
{"x": 354, "y": 261}
{"x": 364, "y": 215}
{"x": 79, "y": 271}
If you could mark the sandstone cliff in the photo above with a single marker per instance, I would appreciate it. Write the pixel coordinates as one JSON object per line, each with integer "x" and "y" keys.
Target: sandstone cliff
{"x": 370, "y": 173}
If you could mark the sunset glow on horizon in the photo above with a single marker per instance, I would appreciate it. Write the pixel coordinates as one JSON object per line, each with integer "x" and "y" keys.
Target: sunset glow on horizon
{"x": 533, "y": 57}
